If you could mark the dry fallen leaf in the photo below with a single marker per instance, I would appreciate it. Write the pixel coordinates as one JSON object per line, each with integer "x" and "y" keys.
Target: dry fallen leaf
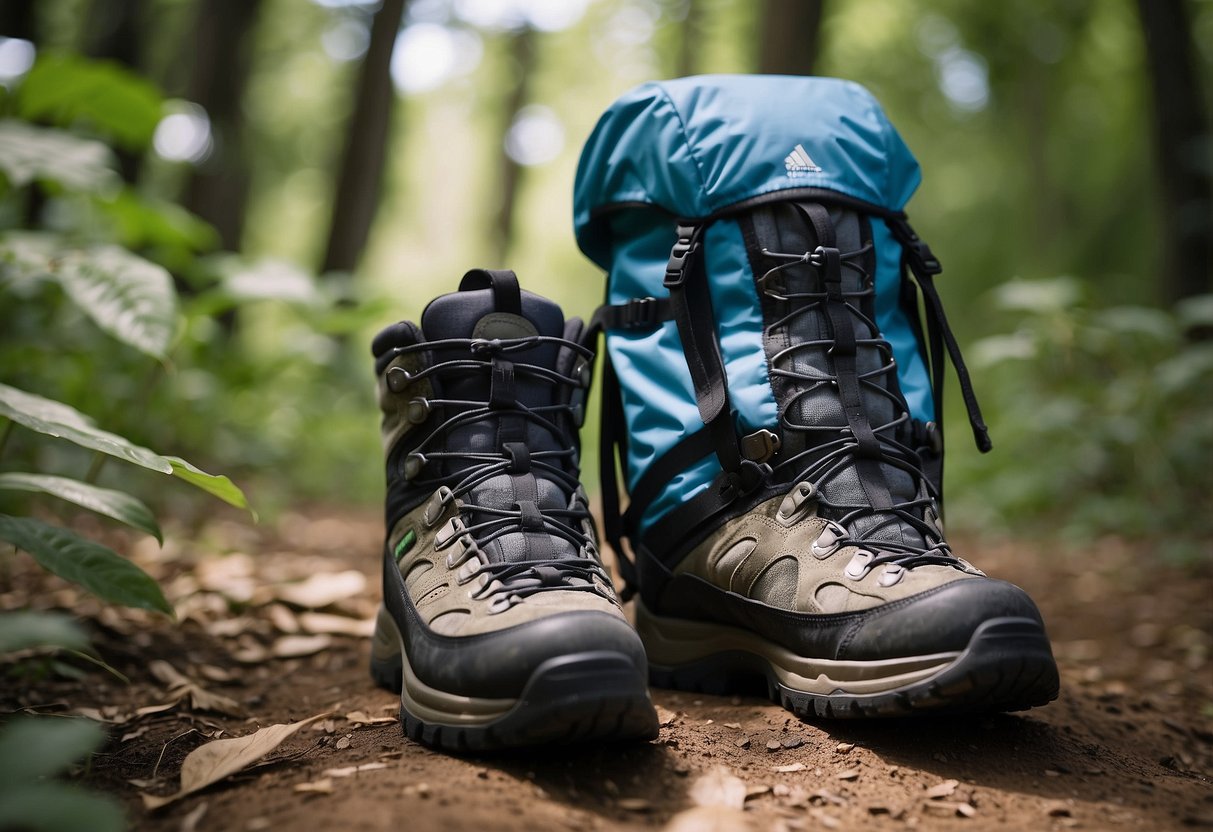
{"x": 941, "y": 790}
{"x": 216, "y": 760}
{"x": 363, "y": 718}
{"x": 322, "y": 589}
{"x": 322, "y": 786}
{"x": 181, "y": 686}
{"x": 634, "y": 804}
{"x": 708, "y": 819}
{"x": 293, "y": 647}
{"x": 337, "y": 625}
{"x": 350, "y": 771}
{"x": 282, "y": 618}
{"x": 718, "y": 788}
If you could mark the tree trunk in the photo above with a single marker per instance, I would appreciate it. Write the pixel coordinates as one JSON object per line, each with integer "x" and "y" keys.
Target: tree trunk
{"x": 17, "y": 20}
{"x": 115, "y": 32}
{"x": 522, "y": 54}
{"x": 1182, "y": 144}
{"x": 788, "y": 34}
{"x": 217, "y": 190}
{"x": 359, "y": 181}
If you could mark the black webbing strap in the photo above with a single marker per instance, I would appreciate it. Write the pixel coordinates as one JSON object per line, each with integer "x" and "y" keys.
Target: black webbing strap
{"x": 637, "y": 313}
{"x": 507, "y": 296}
{"x": 691, "y": 304}
{"x": 924, "y": 265}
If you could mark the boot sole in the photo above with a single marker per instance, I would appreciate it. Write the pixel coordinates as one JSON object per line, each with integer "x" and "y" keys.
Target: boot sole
{"x": 580, "y": 697}
{"x": 1007, "y": 666}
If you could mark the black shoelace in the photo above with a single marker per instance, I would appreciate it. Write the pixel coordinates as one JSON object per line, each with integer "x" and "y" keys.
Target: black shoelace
{"x": 506, "y": 582}
{"x": 824, "y": 458}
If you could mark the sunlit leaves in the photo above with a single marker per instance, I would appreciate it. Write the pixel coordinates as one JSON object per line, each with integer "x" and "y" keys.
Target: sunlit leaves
{"x": 39, "y": 154}
{"x": 104, "y": 96}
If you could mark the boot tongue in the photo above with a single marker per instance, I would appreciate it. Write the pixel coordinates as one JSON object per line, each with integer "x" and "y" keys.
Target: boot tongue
{"x": 473, "y": 314}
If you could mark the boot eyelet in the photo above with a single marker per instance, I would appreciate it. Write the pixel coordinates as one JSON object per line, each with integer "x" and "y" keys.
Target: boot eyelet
{"x": 413, "y": 465}
{"x": 828, "y": 540}
{"x": 891, "y": 575}
{"x": 435, "y": 507}
{"x": 447, "y": 533}
{"x": 418, "y": 410}
{"x": 796, "y": 503}
{"x": 858, "y": 567}
{"x": 398, "y": 379}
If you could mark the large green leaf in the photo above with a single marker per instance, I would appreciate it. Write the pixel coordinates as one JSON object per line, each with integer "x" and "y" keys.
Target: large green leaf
{"x": 57, "y": 419}
{"x": 32, "y": 748}
{"x": 70, "y": 90}
{"x": 59, "y": 807}
{"x": 44, "y": 154}
{"x": 116, "y": 504}
{"x": 130, "y": 298}
{"x": 216, "y": 484}
{"x": 26, "y": 629}
{"x": 99, "y": 569}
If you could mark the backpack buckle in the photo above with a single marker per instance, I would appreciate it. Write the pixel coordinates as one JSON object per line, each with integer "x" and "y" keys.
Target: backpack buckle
{"x": 640, "y": 312}
{"x": 922, "y": 260}
{"x": 680, "y": 255}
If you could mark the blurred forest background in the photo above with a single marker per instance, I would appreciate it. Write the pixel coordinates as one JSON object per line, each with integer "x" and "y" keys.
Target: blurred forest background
{"x": 310, "y": 170}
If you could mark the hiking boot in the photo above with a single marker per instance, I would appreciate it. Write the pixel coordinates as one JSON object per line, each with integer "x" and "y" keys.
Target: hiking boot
{"x": 500, "y": 627}
{"x": 837, "y": 588}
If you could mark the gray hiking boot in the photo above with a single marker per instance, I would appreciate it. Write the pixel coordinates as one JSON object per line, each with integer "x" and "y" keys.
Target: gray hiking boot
{"x": 839, "y": 592}
{"x": 500, "y": 627}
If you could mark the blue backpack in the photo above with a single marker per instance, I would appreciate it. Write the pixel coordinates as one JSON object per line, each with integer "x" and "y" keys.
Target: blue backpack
{"x": 690, "y": 194}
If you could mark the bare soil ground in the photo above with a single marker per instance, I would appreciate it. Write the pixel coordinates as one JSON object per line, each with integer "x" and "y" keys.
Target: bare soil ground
{"x": 1129, "y": 744}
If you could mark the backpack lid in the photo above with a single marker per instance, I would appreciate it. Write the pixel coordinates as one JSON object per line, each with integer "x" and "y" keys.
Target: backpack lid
{"x": 694, "y": 146}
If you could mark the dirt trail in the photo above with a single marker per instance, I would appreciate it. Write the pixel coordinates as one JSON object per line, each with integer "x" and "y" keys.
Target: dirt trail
{"x": 1129, "y": 745}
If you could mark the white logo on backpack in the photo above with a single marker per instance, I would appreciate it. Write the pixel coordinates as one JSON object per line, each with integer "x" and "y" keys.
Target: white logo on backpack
{"x": 799, "y": 163}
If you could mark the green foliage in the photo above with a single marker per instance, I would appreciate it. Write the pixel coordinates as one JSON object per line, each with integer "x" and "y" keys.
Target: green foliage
{"x": 97, "y": 568}
{"x": 25, "y": 630}
{"x": 1099, "y": 415}
{"x": 117, "y": 505}
{"x": 70, "y": 91}
{"x": 34, "y": 750}
{"x": 37, "y": 154}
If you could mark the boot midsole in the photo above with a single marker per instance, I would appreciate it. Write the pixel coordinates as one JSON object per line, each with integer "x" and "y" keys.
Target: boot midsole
{"x": 673, "y": 642}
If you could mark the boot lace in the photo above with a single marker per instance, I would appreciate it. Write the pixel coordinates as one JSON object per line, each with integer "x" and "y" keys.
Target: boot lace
{"x": 834, "y": 448}
{"x": 455, "y": 473}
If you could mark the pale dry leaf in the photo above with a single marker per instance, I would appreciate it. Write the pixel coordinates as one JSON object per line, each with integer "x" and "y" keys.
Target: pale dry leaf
{"x": 190, "y": 822}
{"x": 708, "y": 819}
{"x": 321, "y": 786}
{"x": 941, "y": 790}
{"x": 181, "y": 686}
{"x": 293, "y": 647}
{"x": 213, "y": 673}
{"x": 322, "y": 589}
{"x": 337, "y": 625}
{"x": 718, "y": 787}
{"x": 363, "y": 718}
{"x": 216, "y": 760}
{"x": 283, "y": 619}
{"x": 148, "y": 710}
{"x": 634, "y": 804}
{"x": 350, "y": 771}
{"x": 665, "y": 717}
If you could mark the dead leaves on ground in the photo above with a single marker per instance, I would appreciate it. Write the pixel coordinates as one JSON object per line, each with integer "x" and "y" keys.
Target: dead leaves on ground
{"x": 210, "y": 763}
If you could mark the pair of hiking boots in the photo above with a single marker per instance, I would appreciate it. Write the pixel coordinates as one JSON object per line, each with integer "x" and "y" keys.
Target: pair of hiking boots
{"x": 501, "y": 627}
